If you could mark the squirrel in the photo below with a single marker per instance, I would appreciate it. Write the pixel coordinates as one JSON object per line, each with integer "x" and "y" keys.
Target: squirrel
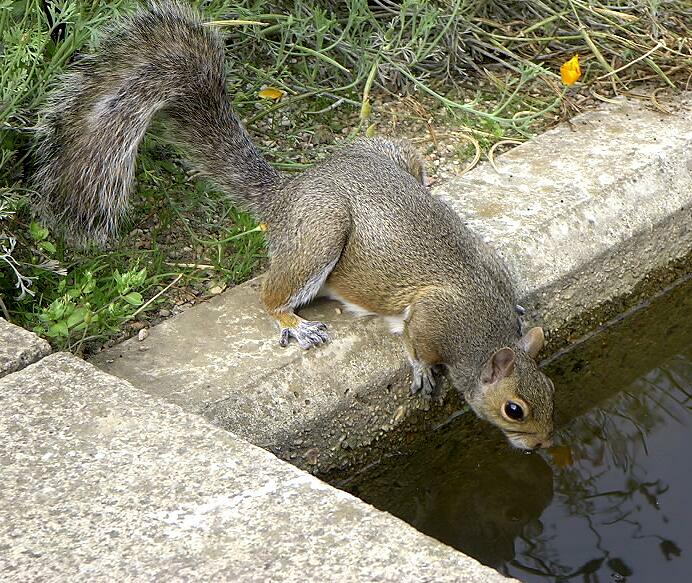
{"x": 360, "y": 227}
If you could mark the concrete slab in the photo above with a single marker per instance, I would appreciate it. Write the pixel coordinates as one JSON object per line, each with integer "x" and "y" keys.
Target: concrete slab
{"x": 583, "y": 215}
{"x": 19, "y": 347}
{"x": 101, "y": 482}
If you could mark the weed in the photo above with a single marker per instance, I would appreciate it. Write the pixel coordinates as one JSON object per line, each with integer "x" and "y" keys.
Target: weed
{"x": 493, "y": 67}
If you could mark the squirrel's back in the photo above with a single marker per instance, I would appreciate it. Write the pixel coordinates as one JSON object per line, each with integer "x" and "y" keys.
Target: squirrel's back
{"x": 162, "y": 58}
{"x": 402, "y": 239}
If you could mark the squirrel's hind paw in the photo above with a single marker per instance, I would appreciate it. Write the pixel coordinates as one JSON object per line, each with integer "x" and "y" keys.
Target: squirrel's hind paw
{"x": 307, "y": 334}
{"x": 424, "y": 381}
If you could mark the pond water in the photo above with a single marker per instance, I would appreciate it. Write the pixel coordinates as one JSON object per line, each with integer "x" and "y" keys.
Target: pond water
{"x": 611, "y": 503}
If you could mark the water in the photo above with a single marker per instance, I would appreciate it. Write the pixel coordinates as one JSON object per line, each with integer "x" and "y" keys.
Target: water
{"x": 611, "y": 504}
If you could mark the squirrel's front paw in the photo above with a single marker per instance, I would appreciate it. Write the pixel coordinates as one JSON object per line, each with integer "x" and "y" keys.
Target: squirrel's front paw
{"x": 424, "y": 381}
{"x": 308, "y": 334}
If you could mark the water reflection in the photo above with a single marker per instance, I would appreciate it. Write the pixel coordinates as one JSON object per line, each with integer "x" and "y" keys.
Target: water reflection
{"x": 469, "y": 496}
{"x": 614, "y": 509}
{"x": 621, "y": 509}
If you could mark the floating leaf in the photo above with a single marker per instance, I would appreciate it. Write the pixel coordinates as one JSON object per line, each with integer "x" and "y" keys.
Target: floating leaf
{"x": 562, "y": 455}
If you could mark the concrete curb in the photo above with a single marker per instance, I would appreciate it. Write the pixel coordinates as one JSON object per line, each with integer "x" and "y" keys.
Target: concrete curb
{"x": 104, "y": 483}
{"x": 582, "y": 214}
{"x": 19, "y": 348}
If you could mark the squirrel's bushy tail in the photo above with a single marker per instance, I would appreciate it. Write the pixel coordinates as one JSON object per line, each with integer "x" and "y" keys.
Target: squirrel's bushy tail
{"x": 160, "y": 58}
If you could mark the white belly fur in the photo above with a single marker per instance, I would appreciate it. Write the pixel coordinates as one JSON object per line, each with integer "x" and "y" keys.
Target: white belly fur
{"x": 395, "y": 323}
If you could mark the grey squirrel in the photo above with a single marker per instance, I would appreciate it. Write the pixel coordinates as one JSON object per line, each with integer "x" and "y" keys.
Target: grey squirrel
{"x": 360, "y": 226}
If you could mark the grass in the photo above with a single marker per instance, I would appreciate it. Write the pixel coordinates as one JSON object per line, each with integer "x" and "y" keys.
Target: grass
{"x": 482, "y": 71}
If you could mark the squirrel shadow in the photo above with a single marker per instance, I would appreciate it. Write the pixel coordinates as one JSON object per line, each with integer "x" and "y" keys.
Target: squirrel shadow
{"x": 484, "y": 494}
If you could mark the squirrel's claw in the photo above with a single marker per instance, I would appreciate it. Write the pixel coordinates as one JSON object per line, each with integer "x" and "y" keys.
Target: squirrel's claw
{"x": 424, "y": 381}
{"x": 307, "y": 334}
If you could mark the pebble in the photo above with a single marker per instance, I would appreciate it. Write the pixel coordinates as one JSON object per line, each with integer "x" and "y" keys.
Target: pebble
{"x": 311, "y": 456}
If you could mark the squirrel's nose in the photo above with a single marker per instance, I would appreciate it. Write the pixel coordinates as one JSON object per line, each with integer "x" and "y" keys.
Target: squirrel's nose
{"x": 548, "y": 442}
{"x": 545, "y": 443}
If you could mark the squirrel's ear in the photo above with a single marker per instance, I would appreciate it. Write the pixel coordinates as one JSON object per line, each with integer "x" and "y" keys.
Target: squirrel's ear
{"x": 499, "y": 366}
{"x": 532, "y": 342}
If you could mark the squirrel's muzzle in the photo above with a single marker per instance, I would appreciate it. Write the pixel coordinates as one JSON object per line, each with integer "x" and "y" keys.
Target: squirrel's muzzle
{"x": 530, "y": 441}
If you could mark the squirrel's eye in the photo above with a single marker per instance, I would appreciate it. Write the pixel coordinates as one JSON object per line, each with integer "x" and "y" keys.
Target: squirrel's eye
{"x": 514, "y": 411}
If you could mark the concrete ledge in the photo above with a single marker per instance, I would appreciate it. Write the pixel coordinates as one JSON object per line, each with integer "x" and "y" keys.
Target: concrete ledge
{"x": 582, "y": 215}
{"x": 19, "y": 347}
{"x": 103, "y": 483}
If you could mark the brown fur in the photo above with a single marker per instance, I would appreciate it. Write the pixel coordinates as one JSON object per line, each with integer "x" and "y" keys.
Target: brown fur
{"x": 361, "y": 225}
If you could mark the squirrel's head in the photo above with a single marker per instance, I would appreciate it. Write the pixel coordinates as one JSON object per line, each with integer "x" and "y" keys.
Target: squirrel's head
{"x": 513, "y": 394}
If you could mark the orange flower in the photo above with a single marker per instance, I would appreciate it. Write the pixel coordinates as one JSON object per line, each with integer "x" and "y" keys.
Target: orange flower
{"x": 271, "y": 93}
{"x": 570, "y": 71}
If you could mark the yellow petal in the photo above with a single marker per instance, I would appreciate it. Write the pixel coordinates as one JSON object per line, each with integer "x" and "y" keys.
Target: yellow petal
{"x": 264, "y": 227}
{"x": 570, "y": 71}
{"x": 271, "y": 93}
